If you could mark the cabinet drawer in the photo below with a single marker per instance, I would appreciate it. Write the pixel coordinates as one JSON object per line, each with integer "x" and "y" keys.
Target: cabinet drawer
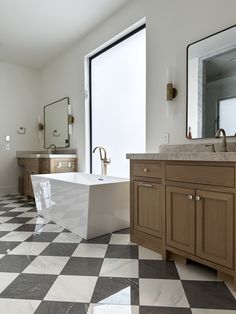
{"x": 148, "y": 170}
{"x": 63, "y": 165}
{"x": 202, "y": 174}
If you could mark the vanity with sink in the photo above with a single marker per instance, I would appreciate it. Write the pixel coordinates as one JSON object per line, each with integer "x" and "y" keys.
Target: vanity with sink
{"x": 57, "y": 123}
{"x": 42, "y": 163}
{"x": 183, "y": 198}
{"x": 184, "y": 203}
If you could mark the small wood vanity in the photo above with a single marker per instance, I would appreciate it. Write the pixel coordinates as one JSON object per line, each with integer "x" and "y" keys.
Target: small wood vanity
{"x": 42, "y": 166}
{"x": 186, "y": 208}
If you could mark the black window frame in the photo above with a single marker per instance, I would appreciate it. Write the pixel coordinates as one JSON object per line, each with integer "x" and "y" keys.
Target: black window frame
{"x": 123, "y": 38}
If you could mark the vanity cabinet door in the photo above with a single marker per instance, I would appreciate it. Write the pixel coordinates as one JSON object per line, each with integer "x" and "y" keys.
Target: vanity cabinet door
{"x": 148, "y": 207}
{"x": 180, "y": 218}
{"x": 28, "y": 183}
{"x": 215, "y": 222}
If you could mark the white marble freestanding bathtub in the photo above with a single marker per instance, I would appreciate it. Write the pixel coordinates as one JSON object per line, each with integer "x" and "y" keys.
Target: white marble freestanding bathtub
{"x": 88, "y": 205}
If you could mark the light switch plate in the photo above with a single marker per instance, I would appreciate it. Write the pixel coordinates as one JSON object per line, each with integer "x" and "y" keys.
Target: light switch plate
{"x": 7, "y": 138}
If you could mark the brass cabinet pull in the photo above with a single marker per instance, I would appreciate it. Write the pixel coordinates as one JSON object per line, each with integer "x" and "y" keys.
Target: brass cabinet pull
{"x": 145, "y": 169}
{"x": 190, "y": 197}
{"x": 147, "y": 185}
{"x": 58, "y": 165}
{"x": 197, "y": 198}
{"x": 69, "y": 165}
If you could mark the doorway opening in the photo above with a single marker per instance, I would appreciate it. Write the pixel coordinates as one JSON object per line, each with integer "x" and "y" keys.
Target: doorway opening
{"x": 226, "y": 114}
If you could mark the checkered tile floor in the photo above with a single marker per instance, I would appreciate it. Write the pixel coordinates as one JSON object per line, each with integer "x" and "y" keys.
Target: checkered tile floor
{"x": 45, "y": 269}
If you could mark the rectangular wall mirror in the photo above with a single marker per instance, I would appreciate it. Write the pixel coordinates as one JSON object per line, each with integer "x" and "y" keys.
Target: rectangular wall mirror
{"x": 56, "y": 128}
{"x": 211, "y": 85}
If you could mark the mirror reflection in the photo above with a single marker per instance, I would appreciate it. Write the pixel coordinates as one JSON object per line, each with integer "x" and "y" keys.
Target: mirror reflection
{"x": 56, "y": 124}
{"x": 211, "y": 85}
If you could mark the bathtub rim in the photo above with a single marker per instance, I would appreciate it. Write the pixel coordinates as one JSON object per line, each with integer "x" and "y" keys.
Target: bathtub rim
{"x": 56, "y": 177}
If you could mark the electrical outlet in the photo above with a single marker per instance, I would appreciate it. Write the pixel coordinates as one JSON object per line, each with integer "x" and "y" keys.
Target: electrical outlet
{"x": 166, "y": 137}
{"x": 7, "y": 147}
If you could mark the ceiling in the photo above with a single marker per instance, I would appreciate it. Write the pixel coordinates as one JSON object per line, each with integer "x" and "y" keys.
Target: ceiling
{"x": 34, "y": 32}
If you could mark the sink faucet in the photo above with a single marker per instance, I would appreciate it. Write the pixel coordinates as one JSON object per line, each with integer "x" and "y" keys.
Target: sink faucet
{"x": 224, "y": 143}
{"x": 52, "y": 149}
{"x": 104, "y": 160}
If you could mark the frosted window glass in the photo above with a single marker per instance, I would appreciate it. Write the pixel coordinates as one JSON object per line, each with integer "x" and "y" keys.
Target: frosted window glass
{"x": 227, "y": 113}
{"x": 118, "y": 95}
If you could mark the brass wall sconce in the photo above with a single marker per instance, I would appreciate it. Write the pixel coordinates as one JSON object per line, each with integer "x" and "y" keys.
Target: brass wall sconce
{"x": 171, "y": 92}
{"x": 40, "y": 126}
{"x": 71, "y": 119}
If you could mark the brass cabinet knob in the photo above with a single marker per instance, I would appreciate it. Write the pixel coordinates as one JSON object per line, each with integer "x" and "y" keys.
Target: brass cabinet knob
{"x": 190, "y": 197}
{"x": 58, "y": 165}
{"x": 197, "y": 198}
{"x": 145, "y": 170}
{"x": 69, "y": 165}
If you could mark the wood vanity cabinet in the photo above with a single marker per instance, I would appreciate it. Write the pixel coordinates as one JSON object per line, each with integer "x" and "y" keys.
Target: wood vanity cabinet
{"x": 32, "y": 166}
{"x": 188, "y": 210}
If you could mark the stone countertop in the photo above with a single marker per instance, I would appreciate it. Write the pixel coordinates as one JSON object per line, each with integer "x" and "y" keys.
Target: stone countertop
{"x": 44, "y": 154}
{"x": 186, "y": 156}
{"x": 196, "y": 147}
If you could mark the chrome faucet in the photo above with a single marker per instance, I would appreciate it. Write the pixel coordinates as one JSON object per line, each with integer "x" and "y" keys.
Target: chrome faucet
{"x": 52, "y": 149}
{"x": 104, "y": 160}
{"x": 224, "y": 143}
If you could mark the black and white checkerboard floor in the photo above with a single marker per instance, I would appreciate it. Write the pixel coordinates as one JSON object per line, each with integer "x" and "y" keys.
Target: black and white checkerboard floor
{"x": 47, "y": 270}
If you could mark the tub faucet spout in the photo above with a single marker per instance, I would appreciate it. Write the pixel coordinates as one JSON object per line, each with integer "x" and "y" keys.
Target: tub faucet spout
{"x": 104, "y": 160}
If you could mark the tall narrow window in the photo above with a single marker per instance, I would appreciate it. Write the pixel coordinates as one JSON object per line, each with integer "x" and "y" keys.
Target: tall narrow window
{"x": 118, "y": 102}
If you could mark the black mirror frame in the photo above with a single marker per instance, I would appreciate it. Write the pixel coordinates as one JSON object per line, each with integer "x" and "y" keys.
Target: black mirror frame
{"x": 187, "y": 48}
{"x": 68, "y": 103}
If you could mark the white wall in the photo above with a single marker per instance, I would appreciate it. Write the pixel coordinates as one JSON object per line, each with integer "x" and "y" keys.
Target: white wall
{"x": 19, "y": 106}
{"x": 171, "y": 26}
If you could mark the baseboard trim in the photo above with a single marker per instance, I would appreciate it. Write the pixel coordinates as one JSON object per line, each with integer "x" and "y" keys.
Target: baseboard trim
{"x": 8, "y": 189}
